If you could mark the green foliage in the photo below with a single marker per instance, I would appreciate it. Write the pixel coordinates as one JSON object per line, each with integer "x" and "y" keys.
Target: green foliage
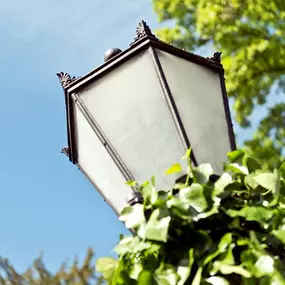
{"x": 39, "y": 275}
{"x": 251, "y": 35}
{"x": 206, "y": 231}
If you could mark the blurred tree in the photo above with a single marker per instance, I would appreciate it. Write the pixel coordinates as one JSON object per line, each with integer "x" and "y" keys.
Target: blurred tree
{"x": 251, "y": 35}
{"x": 39, "y": 275}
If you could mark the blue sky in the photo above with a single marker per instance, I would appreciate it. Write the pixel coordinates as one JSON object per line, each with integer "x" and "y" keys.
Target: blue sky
{"x": 46, "y": 205}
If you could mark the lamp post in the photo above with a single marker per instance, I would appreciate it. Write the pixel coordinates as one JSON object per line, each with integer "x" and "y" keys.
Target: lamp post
{"x": 136, "y": 114}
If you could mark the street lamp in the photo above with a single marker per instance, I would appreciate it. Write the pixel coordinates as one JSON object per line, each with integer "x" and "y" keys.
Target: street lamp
{"x": 136, "y": 114}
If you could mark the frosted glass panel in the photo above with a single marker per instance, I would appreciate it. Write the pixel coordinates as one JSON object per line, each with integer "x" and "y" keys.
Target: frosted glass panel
{"x": 198, "y": 96}
{"x": 98, "y": 165}
{"x": 129, "y": 106}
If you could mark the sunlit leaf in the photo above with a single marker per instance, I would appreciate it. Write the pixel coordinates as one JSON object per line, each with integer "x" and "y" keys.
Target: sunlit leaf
{"x": 166, "y": 275}
{"x": 268, "y": 181}
{"x": 250, "y": 213}
{"x": 195, "y": 196}
{"x": 131, "y": 183}
{"x": 198, "y": 276}
{"x": 106, "y": 266}
{"x": 235, "y": 155}
{"x": 222, "y": 183}
{"x": 133, "y": 216}
{"x": 265, "y": 264}
{"x": 157, "y": 226}
{"x": 216, "y": 280}
{"x": 229, "y": 269}
{"x": 174, "y": 169}
{"x": 145, "y": 278}
{"x": 280, "y": 233}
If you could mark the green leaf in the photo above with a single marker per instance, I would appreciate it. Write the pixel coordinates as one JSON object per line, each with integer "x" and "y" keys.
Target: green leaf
{"x": 153, "y": 181}
{"x": 198, "y": 277}
{"x": 222, "y": 247}
{"x": 133, "y": 216}
{"x": 195, "y": 196}
{"x": 229, "y": 269}
{"x": 166, "y": 275}
{"x": 106, "y": 266}
{"x": 222, "y": 183}
{"x": 187, "y": 154}
{"x": 280, "y": 234}
{"x": 184, "y": 267}
{"x": 216, "y": 280}
{"x": 236, "y": 169}
{"x": 174, "y": 169}
{"x": 206, "y": 169}
{"x": 131, "y": 183}
{"x": 251, "y": 163}
{"x": 199, "y": 177}
{"x": 235, "y": 155}
{"x": 145, "y": 278}
{"x": 250, "y": 213}
{"x": 157, "y": 226}
{"x": 268, "y": 181}
{"x": 202, "y": 173}
{"x": 265, "y": 265}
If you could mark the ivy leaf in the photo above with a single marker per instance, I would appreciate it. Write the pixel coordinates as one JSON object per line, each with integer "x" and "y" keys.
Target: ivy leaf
{"x": 265, "y": 265}
{"x": 133, "y": 216}
{"x": 166, "y": 275}
{"x": 251, "y": 213}
{"x": 250, "y": 163}
{"x": 280, "y": 234}
{"x": 195, "y": 196}
{"x": 131, "y": 183}
{"x": 107, "y": 267}
{"x": 184, "y": 267}
{"x": 198, "y": 277}
{"x": 222, "y": 183}
{"x": 236, "y": 168}
{"x": 199, "y": 177}
{"x": 268, "y": 181}
{"x": 174, "y": 169}
{"x": 222, "y": 247}
{"x": 235, "y": 156}
{"x": 157, "y": 226}
{"x": 229, "y": 269}
{"x": 205, "y": 169}
{"x": 145, "y": 278}
{"x": 216, "y": 280}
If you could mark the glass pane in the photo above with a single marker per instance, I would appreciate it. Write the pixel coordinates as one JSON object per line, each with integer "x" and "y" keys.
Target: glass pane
{"x": 129, "y": 106}
{"x": 198, "y": 97}
{"x": 98, "y": 165}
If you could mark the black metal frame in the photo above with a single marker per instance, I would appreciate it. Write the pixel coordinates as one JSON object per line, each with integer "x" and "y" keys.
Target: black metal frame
{"x": 143, "y": 41}
{"x": 102, "y": 137}
{"x": 171, "y": 104}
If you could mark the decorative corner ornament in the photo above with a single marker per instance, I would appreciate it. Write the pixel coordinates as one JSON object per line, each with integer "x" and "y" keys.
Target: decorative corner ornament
{"x": 143, "y": 30}
{"x": 65, "y": 151}
{"x": 216, "y": 57}
{"x": 65, "y": 79}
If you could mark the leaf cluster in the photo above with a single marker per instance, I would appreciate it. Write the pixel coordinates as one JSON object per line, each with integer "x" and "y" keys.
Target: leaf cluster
{"x": 206, "y": 229}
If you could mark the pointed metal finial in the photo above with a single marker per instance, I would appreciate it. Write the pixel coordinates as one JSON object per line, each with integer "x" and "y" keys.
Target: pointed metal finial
{"x": 65, "y": 79}
{"x": 216, "y": 57}
{"x": 143, "y": 30}
{"x": 65, "y": 151}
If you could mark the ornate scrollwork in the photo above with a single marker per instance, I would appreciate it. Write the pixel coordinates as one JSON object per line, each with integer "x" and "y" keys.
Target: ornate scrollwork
{"x": 216, "y": 57}
{"x": 65, "y": 151}
{"x": 143, "y": 30}
{"x": 65, "y": 79}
